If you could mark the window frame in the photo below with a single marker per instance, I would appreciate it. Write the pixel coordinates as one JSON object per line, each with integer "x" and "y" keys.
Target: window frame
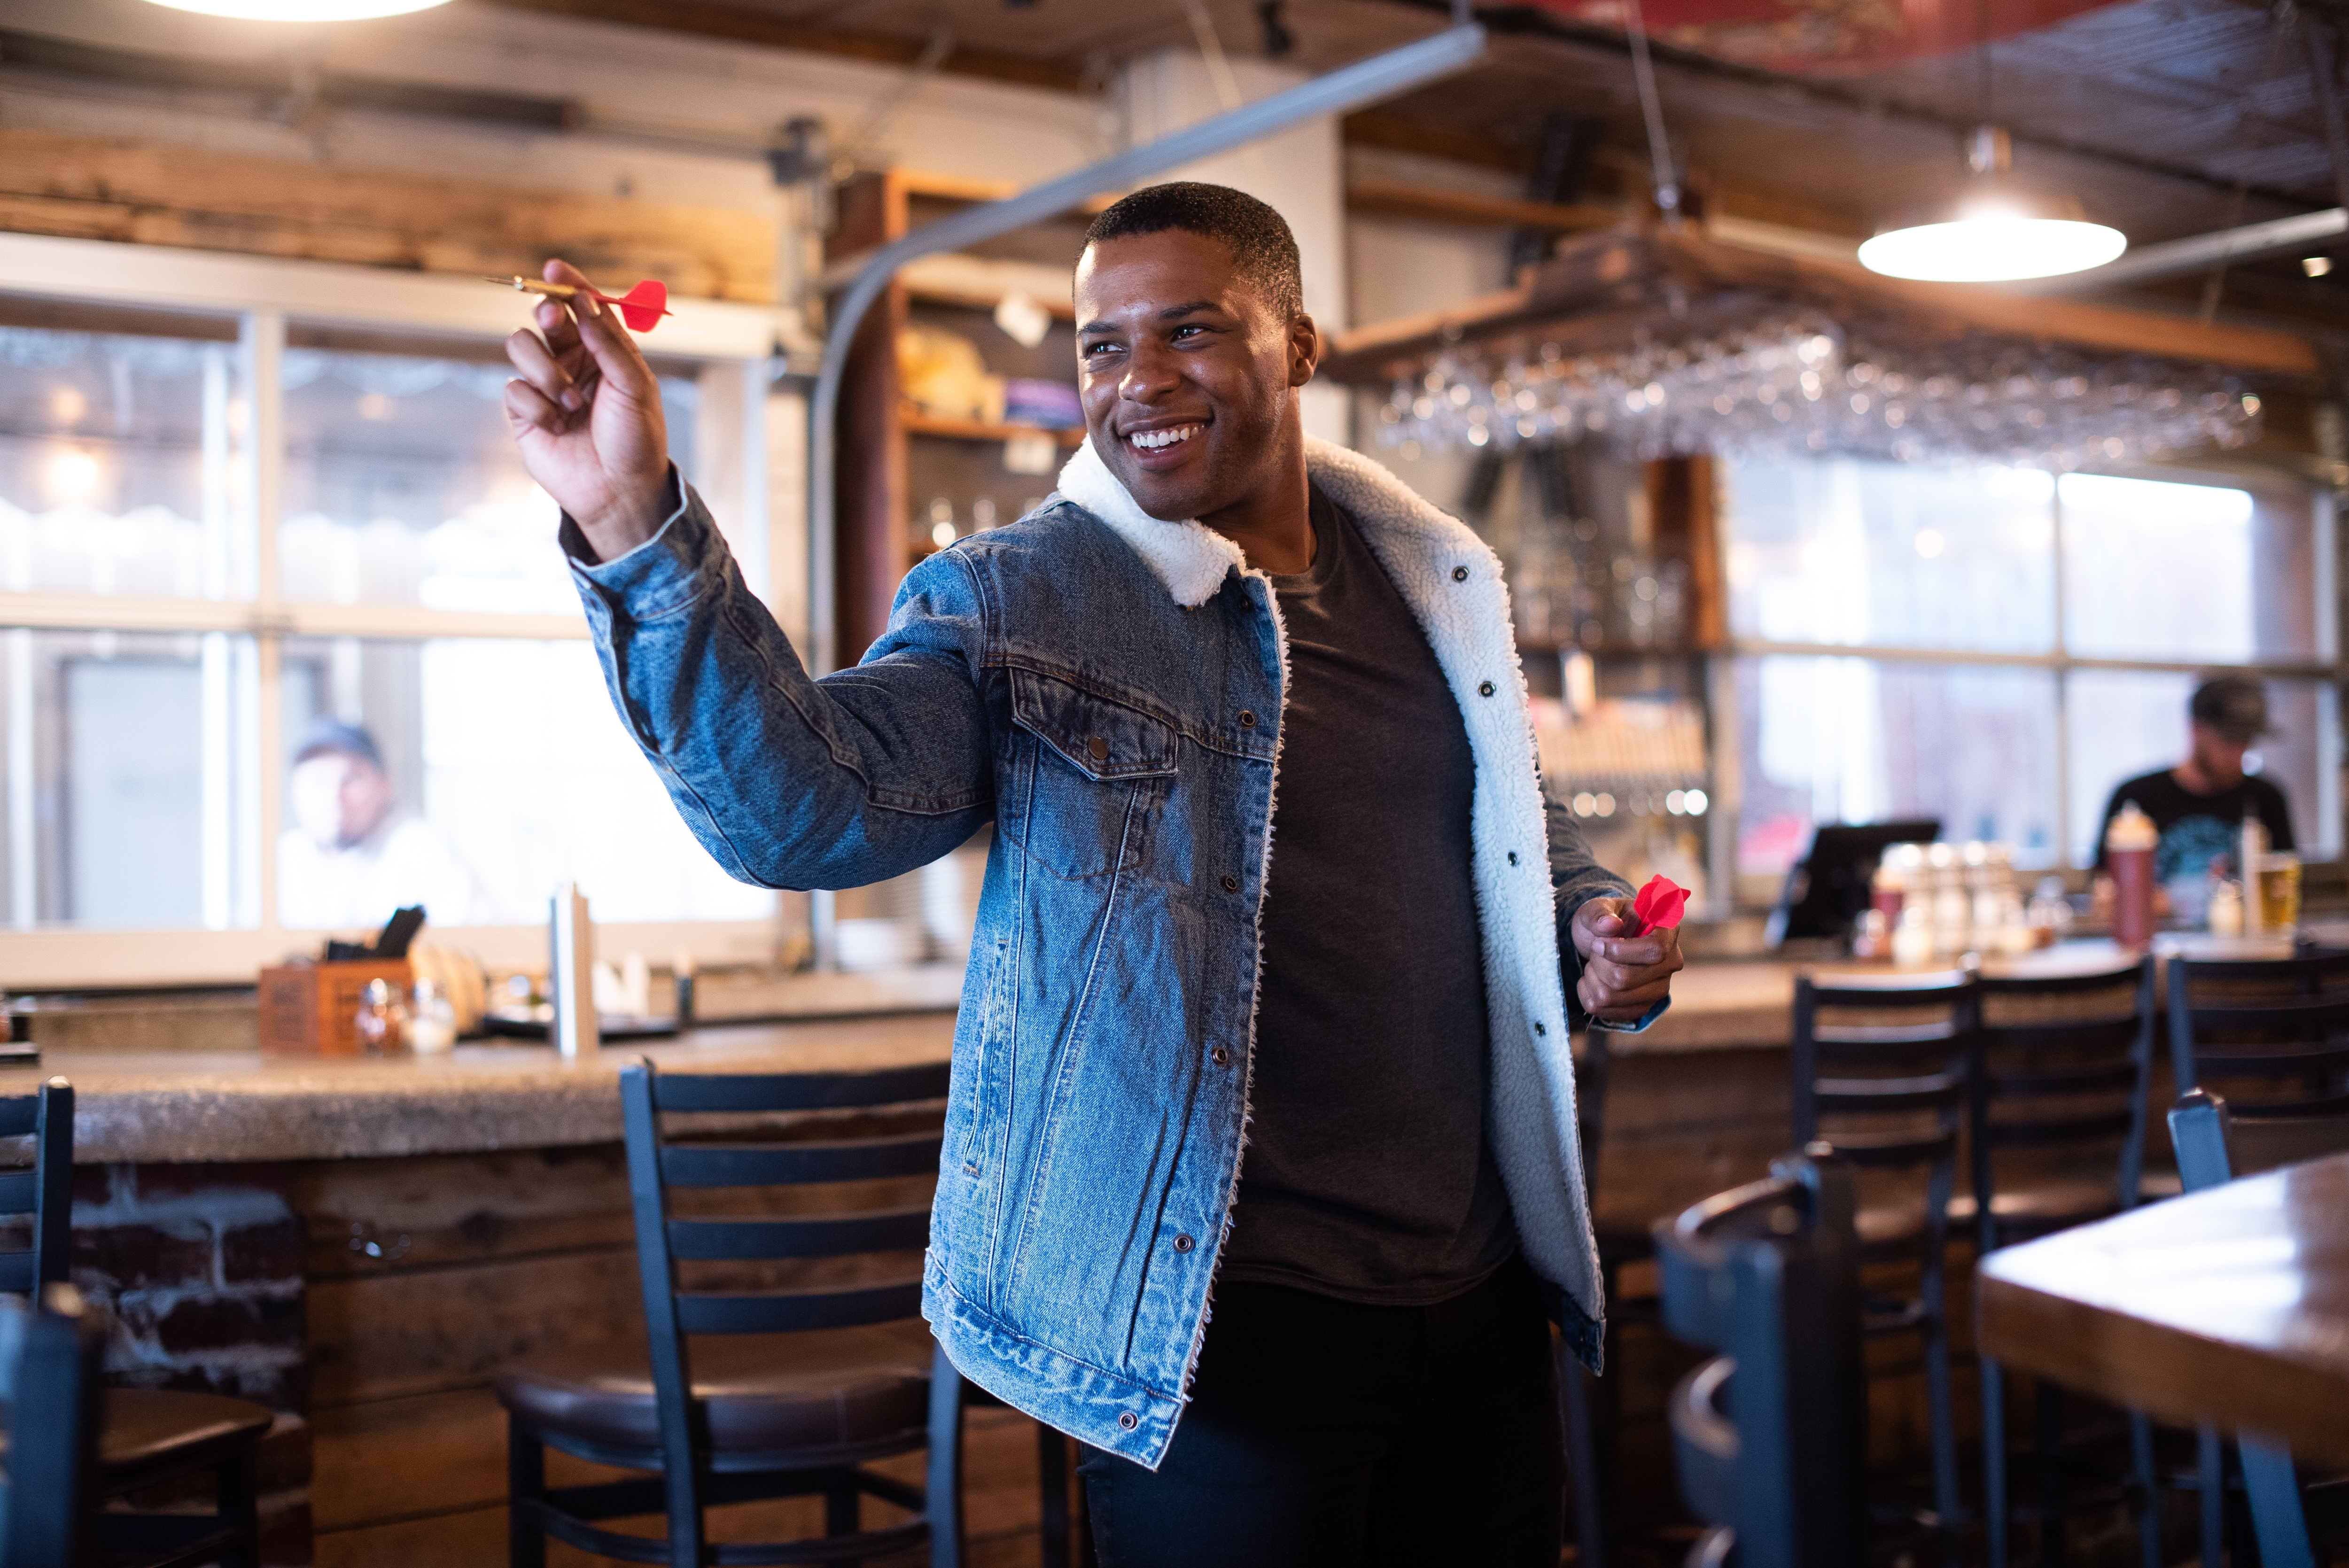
{"x": 261, "y": 295}
{"x": 2329, "y": 666}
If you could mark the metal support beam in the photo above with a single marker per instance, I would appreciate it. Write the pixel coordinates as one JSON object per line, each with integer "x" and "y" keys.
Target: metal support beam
{"x": 2252, "y": 239}
{"x": 1340, "y": 92}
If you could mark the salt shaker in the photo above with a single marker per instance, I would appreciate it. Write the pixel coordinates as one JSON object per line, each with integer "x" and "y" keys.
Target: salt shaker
{"x": 382, "y": 1021}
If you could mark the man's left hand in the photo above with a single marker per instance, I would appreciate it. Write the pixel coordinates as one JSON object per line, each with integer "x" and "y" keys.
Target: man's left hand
{"x": 1622, "y": 975}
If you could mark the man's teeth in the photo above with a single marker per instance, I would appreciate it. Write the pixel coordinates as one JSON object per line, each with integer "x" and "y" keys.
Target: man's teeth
{"x": 1151, "y": 440}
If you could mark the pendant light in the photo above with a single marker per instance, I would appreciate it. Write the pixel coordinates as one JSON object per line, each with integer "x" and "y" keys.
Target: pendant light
{"x": 1994, "y": 232}
{"x": 302, "y": 10}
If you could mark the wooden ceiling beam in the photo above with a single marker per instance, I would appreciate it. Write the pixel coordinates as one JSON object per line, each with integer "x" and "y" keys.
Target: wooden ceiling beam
{"x": 1384, "y": 127}
{"x": 1433, "y": 204}
{"x": 1595, "y": 289}
{"x": 736, "y": 24}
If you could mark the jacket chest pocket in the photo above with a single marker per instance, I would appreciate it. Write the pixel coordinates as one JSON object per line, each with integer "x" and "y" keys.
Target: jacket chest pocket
{"x": 1087, "y": 776}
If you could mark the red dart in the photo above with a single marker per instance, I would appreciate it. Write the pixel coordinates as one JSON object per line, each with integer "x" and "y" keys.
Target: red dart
{"x": 641, "y": 307}
{"x": 1659, "y": 904}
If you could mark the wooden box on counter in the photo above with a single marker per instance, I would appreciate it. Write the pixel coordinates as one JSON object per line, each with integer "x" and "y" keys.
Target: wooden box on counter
{"x": 312, "y": 1009}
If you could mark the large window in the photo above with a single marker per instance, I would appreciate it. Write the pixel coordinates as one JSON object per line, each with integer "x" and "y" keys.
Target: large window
{"x": 286, "y": 639}
{"x": 1997, "y": 648}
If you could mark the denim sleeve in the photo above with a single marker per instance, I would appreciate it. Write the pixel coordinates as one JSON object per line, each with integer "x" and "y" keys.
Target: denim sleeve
{"x": 788, "y": 781}
{"x": 1576, "y": 877}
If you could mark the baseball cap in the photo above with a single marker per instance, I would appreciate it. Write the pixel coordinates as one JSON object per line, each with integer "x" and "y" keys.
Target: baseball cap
{"x": 2234, "y": 706}
{"x": 328, "y": 733}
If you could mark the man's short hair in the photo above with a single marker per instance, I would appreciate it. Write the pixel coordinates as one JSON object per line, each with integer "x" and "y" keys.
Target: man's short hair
{"x": 327, "y": 735}
{"x": 1262, "y": 248}
{"x": 2234, "y": 706}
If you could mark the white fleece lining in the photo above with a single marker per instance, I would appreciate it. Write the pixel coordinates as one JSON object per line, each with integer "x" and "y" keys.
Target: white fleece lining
{"x": 1530, "y": 1093}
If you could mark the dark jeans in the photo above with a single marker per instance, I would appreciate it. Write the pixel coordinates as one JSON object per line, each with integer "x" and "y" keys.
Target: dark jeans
{"x": 1325, "y": 1434}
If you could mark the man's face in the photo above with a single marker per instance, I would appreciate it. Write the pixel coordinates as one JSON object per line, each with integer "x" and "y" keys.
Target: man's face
{"x": 339, "y": 799}
{"x": 1187, "y": 373}
{"x": 2217, "y": 755}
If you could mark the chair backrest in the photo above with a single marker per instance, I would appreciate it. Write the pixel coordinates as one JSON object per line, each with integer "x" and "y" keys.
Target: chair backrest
{"x": 2063, "y": 1066}
{"x": 1880, "y": 1070}
{"x": 1770, "y": 1436}
{"x": 659, "y": 1164}
{"x": 2218, "y": 1141}
{"x": 49, "y": 1377}
{"x": 44, "y": 1189}
{"x": 2234, "y": 1019}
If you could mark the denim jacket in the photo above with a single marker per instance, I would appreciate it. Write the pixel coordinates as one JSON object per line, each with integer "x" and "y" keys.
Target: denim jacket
{"x": 1106, "y": 689}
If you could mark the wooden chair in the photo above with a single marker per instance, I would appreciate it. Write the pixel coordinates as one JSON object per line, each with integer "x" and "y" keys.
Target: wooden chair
{"x": 2217, "y": 1143}
{"x": 752, "y": 1393}
{"x": 48, "y": 1376}
{"x": 1882, "y": 1068}
{"x": 147, "y": 1437}
{"x": 2283, "y": 1021}
{"x": 2062, "y": 1070}
{"x": 1770, "y": 1436}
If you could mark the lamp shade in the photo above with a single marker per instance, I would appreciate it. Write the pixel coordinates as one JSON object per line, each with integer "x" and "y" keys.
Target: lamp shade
{"x": 1992, "y": 236}
{"x": 302, "y": 10}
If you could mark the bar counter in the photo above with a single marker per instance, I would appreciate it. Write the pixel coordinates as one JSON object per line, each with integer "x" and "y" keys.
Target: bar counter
{"x": 229, "y": 1106}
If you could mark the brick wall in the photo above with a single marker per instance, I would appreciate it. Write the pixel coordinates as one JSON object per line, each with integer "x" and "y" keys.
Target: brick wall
{"x": 201, "y": 1267}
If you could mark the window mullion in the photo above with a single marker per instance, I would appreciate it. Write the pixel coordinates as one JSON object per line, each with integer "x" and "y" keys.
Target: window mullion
{"x": 265, "y": 459}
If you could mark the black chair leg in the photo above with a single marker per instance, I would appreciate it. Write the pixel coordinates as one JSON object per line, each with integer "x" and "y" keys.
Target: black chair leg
{"x": 525, "y": 1482}
{"x": 841, "y": 1515}
{"x": 1052, "y": 1494}
{"x": 2051, "y": 1489}
{"x": 2210, "y": 1473}
{"x": 2149, "y": 1486}
{"x": 1941, "y": 1408}
{"x": 1581, "y": 1459}
{"x": 236, "y": 1495}
{"x": 1994, "y": 1462}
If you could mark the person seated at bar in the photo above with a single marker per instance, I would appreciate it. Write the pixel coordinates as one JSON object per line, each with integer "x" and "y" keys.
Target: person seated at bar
{"x": 2198, "y": 806}
{"x": 350, "y": 858}
{"x": 1273, "y": 868}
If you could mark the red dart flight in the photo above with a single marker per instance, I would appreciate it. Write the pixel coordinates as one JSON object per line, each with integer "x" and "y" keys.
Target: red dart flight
{"x": 641, "y": 307}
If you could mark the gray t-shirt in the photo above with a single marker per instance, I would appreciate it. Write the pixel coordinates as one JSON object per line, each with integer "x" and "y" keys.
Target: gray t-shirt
{"x": 1367, "y": 1174}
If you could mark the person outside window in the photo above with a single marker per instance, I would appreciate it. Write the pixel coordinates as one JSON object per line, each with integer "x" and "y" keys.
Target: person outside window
{"x": 2198, "y": 806}
{"x": 350, "y": 858}
{"x": 1272, "y": 869}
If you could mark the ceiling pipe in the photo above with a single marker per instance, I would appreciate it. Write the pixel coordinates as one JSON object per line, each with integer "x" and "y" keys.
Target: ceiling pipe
{"x": 2277, "y": 236}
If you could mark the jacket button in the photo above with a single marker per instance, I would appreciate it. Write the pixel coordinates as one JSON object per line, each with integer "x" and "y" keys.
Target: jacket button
{"x": 1248, "y": 719}
{"x": 1460, "y": 574}
{"x": 1231, "y": 884}
{"x": 1513, "y": 857}
{"x": 1541, "y": 1028}
{"x": 1486, "y": 690}
{"x": 1127, "y": 1421}
{"x": 1220, "y": 1057}
{"x": 1099, "y": 747}
{"x": 1184, "y": 1244}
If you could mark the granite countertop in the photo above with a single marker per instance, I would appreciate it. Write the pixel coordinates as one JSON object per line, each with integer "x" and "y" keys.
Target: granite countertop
{"x": 204, "y": 1106}
{"x": 238, "y": 1105}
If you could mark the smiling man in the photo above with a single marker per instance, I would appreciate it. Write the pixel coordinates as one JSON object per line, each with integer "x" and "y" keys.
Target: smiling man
{"x": 1272, "y": 868}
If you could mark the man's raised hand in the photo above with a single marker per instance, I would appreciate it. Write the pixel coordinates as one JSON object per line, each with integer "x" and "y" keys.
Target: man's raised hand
{"x": 586, "y": 411}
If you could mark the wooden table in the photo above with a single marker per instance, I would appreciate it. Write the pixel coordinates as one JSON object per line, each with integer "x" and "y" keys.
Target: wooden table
{"x": 2230, "y": 1306}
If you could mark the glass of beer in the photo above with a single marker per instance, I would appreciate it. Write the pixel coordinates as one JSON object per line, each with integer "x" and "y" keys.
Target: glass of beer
{"x": 2277, "y": 887}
